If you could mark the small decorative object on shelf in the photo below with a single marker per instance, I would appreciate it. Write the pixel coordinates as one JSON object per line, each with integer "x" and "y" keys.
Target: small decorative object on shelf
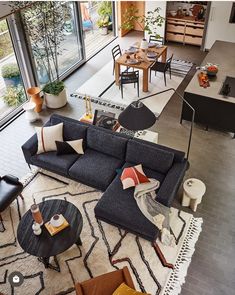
{"x": 88, "y": 107}
{"x": 37, "y": 216}
{"x": 36, "y": 229}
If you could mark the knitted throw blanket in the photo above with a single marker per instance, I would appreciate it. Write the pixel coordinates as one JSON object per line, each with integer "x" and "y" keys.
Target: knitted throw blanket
{"x": 154, "y": 211}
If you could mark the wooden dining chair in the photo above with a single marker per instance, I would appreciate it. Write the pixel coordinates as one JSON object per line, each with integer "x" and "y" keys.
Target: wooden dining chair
{"x": 162, "y": 67}
{"x": 129, "y": 78}
{"x": 116, "y": 52}
{"x": 153, "y": 39}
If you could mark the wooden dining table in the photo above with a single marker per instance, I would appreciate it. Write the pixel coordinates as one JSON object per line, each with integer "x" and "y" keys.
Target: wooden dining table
{"x": 144, "y": 64}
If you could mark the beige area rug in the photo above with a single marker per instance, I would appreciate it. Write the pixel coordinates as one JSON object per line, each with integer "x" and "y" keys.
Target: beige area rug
{"x": 104, "y": 249}
{"x": 102, "y": 85}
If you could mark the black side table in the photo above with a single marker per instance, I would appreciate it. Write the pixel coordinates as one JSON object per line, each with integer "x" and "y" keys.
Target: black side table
{"x": 45, "y": 246}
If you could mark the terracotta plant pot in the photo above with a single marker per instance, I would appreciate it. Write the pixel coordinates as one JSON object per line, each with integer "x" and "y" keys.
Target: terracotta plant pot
{"x": 35, "y": 97}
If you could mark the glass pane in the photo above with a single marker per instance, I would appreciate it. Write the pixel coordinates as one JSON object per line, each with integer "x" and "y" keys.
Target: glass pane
{"x": 97, "y": 25}
{"x": 52, "y": 30}
{"x": 12, "y": 94}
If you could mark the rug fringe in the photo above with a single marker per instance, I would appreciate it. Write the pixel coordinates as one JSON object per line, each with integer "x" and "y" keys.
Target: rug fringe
{"x": 29, "y": 176}
{"x": 177, "y": 276}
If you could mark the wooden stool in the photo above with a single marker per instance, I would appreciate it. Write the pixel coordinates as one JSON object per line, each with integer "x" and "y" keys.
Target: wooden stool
{"x": 194, "y": 189}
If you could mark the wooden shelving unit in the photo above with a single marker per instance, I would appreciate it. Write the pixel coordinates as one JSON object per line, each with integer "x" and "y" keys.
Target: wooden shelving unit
{"x": 184, "y": 30}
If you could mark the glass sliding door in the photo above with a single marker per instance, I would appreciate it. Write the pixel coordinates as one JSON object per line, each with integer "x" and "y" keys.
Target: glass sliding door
{"x": 12, "y": 92}
{"x": 62, "y": 22}
{"x": 97, "y": 24}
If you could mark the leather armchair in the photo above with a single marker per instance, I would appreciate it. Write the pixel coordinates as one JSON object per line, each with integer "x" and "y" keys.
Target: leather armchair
{"x": 10, "y": 189}
{"x": 105, "y": 284}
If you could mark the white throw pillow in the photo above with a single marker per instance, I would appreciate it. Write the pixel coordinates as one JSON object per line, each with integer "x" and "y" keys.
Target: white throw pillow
{"x": 47, "y": 136}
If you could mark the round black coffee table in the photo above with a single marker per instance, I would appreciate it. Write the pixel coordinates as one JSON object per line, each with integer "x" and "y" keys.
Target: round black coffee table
{"x": 45, "y": 246}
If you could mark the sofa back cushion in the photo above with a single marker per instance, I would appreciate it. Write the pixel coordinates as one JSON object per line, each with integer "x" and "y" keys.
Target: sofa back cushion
{"x": 149, "y": 156}
{"x": 72, "y": 129}
{"x": 106, "y": 142}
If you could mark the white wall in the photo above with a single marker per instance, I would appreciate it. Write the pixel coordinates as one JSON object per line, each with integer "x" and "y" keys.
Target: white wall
{"x": 219, "y": 27}
{"x": 150, "y": 6}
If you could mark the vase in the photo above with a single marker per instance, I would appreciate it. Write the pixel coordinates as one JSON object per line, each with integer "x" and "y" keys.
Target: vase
{"x": 30, "y": 113}
{"x": 144, "y": 44}
{"x": 34, "y": 92}
{"x": 56, "y": 101}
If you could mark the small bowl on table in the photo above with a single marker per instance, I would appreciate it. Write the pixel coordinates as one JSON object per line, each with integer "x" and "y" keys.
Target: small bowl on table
{"x": 212, "y": 71}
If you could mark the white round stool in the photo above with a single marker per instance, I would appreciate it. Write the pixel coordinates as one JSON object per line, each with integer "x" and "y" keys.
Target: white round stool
{"x": 30, "y": 114}
{"x": 194, "y": 189}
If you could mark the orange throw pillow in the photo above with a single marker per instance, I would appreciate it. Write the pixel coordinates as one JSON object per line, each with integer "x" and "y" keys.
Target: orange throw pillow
{"x": 132, "y": 176}
{"x": 123, "y": 289}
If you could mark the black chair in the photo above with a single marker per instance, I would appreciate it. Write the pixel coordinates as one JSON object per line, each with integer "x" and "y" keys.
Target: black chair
{"x": 153, "y": 39}
{"x": 129, "y": 78}
{"x": 10, "y": 189}
{"x": 162, "y": 67}
{"x": 116, "y": 52}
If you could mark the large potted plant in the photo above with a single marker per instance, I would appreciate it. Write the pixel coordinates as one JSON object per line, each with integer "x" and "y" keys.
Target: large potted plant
{"x": 103, "y": 24}
{"x": 105, "y": 16}
{"x": 149, "y": 23}
{"x": 44, "y": 24}
{"x": 11, "y": 74}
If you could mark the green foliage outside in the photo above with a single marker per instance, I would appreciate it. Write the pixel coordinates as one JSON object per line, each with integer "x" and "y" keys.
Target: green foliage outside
{"x": 105, "y": 13}
{"x": 105, "y": 8}
{"x": 14, "y": 96}
{"x": 54, "y": 88}
{"x": 5, "y": 40}
{"x": 10, "y": 71}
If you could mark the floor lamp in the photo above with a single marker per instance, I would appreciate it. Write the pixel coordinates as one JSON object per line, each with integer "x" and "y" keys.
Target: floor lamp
{"x": 139, "y": 117}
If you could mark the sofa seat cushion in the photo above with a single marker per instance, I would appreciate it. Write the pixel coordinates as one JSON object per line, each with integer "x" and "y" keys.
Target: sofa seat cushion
{"x": 109, "y": 143}
{"x": 151, "y": 157}
{"x": 95, "y": 169}
{"x": 52, "y": 162}
{"x": 118, "y": 207}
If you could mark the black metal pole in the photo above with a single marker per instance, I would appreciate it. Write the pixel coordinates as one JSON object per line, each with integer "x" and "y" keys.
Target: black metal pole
{"x": 187, "y": 103}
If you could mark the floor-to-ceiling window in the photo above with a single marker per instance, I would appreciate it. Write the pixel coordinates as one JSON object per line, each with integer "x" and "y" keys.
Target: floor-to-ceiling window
{"x": 97, "y": 24}
{"x": 12, "y": 92}
{"x": 57, "y": 18}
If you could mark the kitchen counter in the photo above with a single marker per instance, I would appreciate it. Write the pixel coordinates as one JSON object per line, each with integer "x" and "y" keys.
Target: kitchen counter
{"x": 212, "y": 108}
{"x": 223, "y": 54}
{"x": 186, "y": 18}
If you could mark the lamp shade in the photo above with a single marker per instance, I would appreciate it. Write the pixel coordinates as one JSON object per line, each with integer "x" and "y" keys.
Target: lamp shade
{"x": 137, "y": 117}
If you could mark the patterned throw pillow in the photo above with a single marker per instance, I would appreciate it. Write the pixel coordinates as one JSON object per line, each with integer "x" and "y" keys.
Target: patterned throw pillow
{"x": 133, "y": 176}
{"x": 123, "y": 289}
{"x": 47, "y": 136}
{"x": 69, "y": 147}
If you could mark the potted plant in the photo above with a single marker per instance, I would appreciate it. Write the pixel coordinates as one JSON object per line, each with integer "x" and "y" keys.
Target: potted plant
{"x": 150, "y": 22}
{"x": 103, "y": 23}
{"x": 11, "y": 74}
{"x": 14, "y": 96}
{"x": 105, "y": 13}
{"x": 44, "y": 23}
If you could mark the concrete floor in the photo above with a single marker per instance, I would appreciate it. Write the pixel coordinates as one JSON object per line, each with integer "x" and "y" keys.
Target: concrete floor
{"x": 212, "y": 159}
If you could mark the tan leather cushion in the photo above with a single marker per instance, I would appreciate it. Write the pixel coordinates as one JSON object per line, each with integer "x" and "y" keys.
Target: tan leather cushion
{"x": 103, "y": 285}
{"x": 123, "y": 289}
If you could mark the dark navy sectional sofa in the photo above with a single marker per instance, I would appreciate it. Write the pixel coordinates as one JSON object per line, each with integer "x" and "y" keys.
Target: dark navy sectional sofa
{"x": 105, "y": 153}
